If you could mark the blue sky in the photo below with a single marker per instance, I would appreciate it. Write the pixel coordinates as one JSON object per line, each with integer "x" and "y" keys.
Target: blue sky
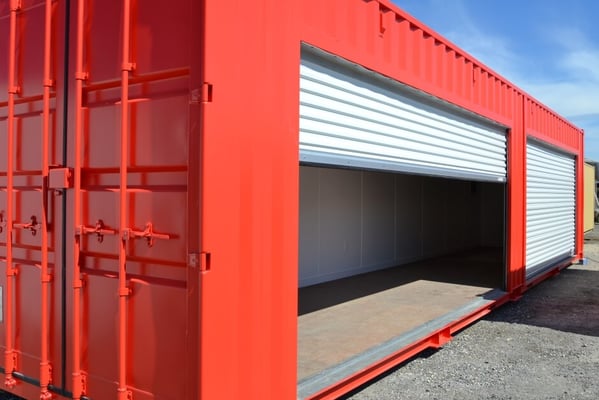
{"x": 549, "y": 48}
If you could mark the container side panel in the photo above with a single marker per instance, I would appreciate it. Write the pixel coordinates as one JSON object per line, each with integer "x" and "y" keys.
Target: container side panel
{"x": 409, "y": 229}
{"x": 378, "y": 237}
{"x": 434, "y": 208}
{"x": 492, "y": 214}
{"x": 341, "y": 202}
{"x": 250, "y": 174}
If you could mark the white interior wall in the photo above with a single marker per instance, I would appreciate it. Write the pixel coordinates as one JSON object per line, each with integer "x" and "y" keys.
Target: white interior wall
{"x": 355, "y": 221}
{"x": 492, "y": 215}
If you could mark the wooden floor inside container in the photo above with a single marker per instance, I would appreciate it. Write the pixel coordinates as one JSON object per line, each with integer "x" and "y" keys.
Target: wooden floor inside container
{"x": 343, "y": 318}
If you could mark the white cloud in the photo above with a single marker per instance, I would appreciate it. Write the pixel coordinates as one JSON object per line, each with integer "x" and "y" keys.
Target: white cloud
{"x": 568, "y": 98}
{"x": 584, "y": 62}
{"x": 492, "y": 51}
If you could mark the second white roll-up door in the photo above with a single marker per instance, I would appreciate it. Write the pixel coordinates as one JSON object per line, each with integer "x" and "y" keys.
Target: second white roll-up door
{"x": 353, "y": 117}
{"x": 550, "y": 206}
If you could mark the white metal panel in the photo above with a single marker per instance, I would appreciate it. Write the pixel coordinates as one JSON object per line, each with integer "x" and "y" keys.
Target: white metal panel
{"x": 550, "y": 206}
{"x": 351, "y": 117}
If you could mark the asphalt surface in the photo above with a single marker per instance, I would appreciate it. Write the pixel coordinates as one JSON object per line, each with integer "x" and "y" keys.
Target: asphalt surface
{"x": 544, "y": 346}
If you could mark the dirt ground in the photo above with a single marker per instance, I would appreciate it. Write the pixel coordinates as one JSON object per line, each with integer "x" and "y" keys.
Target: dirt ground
{"x": 544, "y": 346}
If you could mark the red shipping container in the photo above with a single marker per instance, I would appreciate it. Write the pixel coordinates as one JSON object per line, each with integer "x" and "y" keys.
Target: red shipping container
{"x": 157, "y": 239}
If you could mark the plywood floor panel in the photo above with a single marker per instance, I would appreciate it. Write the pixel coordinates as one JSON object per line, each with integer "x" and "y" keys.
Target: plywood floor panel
{"x": 343, "y": 318}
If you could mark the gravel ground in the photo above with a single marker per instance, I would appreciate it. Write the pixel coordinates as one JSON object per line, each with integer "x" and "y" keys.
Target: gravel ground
{"x": 544, "y": 346}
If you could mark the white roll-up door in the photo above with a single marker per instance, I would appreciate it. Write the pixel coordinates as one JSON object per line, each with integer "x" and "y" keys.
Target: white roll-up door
{"x": 550, "y": 206}
{"x": 353, "y": 117}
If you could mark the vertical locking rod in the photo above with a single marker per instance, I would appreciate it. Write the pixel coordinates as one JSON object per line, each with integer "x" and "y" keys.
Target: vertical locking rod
{"x": 123, "y": 292}
{"x": 80, "y": 76}
{"x": 10, "y": 360}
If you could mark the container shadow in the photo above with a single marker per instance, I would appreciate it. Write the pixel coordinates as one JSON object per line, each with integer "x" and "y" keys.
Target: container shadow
{"x": 424, "y": 354}
{"x": 9, "y": 396}
{"x": 568, "y": 302}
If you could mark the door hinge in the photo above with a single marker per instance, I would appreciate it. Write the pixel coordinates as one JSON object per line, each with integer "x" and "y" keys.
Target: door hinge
{"x": 199, "y": 260}
{"x": 206, "y": 92}
{"x": 202, "y": 94}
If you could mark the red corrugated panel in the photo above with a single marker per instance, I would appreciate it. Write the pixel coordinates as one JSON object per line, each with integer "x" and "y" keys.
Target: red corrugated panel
{"x": 547, "y": 126}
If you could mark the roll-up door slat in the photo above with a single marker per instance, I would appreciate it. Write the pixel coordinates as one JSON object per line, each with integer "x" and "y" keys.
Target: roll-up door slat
{"x": 550, "y": 206}
{"x": 350, "y": 117}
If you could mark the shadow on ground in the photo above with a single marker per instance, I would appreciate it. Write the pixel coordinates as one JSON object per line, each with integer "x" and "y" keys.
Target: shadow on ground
{"x": 567, "y": 302}
{"x": 7, "y": 396}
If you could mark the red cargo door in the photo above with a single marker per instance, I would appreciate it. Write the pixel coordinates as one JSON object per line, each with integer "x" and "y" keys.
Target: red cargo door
{"x": 127, "y": 284}
{"x": 97, "y": 290}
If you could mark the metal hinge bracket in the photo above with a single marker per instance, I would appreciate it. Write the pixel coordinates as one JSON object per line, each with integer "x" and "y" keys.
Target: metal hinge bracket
{"x": 204, "y": 261}
{"x": 202, "y": 94}
{"x": 199, "y": 260}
